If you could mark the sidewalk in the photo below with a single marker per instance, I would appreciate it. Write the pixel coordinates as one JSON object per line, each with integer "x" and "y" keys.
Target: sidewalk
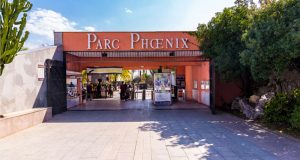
{"x": 145, "y": 135}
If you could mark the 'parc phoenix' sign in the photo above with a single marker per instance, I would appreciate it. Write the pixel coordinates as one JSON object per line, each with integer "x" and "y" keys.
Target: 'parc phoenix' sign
{"x": 128, "y": 41}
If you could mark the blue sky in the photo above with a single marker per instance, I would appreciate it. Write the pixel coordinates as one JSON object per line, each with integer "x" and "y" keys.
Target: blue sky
{"x": 117, "y": 15}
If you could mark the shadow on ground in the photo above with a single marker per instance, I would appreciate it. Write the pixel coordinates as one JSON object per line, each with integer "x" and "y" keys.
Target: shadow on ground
{"x": 195, "y": 132}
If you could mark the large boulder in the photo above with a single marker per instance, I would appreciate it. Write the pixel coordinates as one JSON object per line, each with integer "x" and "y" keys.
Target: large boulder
{"x": 235, "y": 104}
{"x": 254, "y": 99}
{"x": 259, "y": 108}
{"x": 247, "y": 109}
{"x": 243, "y": 106}
{"x": 265, "y": 98}
{"x": 252, "y": 112}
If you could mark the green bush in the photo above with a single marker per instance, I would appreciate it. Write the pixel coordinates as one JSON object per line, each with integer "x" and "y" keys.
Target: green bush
{"x": 295, "y": 116}
{"x": 278, "y": 110}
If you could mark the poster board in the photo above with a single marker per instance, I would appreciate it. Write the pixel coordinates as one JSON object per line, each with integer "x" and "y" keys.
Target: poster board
{"x": 162, "y": 88}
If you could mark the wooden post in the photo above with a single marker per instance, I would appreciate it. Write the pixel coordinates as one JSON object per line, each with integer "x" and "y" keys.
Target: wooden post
{"x": 79, "y": 90}
{"x": 212, "y": 87}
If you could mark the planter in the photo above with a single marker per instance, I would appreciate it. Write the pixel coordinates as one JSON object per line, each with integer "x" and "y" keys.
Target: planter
{"x": 16, "y": 121}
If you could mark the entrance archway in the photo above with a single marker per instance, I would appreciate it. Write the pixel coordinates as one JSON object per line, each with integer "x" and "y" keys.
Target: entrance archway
{"x": 176, "y": 51}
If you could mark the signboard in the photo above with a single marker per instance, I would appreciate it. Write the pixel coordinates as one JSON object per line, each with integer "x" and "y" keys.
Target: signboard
{"x": 162, "y": 97}
{"x": 125, "y": 41}
{"x": 162, "y": 87}
{"x": 41, "y": 72}
{"x": 162, "y": 81}
{"x": 105, "y": 70}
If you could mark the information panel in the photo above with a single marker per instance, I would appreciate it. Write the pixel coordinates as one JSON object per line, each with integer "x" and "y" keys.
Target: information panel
{"x": 162, "y": 88}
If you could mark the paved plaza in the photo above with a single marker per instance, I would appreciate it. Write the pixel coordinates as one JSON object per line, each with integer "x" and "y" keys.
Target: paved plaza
{"x": 147, "y": 134}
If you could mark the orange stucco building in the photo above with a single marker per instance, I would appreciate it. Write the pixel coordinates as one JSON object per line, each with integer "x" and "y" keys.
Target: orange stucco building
{"x": 178, "y": 51}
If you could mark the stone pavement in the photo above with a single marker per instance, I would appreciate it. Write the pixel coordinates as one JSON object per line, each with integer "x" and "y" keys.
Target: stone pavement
{"x": 116, "y": 104}
{"x": 147, "y": 135}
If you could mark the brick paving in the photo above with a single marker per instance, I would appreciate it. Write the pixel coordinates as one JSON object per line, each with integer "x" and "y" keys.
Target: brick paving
{"x": 147, "y": 134}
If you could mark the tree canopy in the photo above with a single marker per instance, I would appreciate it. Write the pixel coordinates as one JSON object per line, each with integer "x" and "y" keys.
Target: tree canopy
{"x": 273, "y": 39}
{"x": 221, "y": 39}
{"x": 262, "y": 39}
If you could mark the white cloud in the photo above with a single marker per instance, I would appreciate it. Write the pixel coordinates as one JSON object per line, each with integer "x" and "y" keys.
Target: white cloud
{"x": 127, "y": 10}
{"x": 89, "y": 28}
{"x": 43, "y": 22}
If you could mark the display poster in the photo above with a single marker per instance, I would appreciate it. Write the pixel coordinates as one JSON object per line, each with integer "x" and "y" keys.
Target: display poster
{"x": 162, "y": 97}
{"x": 41, "y": 72}
{"x": 162, "y": 87}
{"x": 180, "y": 82}
{"x": 162, "y": 81}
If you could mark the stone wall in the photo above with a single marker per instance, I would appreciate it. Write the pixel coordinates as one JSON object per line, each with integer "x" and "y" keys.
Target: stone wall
{"x": 20, "y": 88}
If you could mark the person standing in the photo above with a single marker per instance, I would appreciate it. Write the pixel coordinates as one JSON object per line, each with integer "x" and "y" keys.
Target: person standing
{"x": 123, "y": 91}
{"x": 99, "y": 88}
{"x": 89, "y": 91}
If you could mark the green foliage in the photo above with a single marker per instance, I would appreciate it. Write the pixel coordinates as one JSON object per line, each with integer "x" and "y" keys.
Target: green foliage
{"x": 265, "y": 2}
{"x": 11, "y": 29}
{"x": 146, "y": 78}
{"x": 126, "y": 75}
{"x": 284, "y": 108}
{"x": 245, "y": 3}
{"x": 278, "y": 110}
{"x": 295, "y": 116}
{"x": 113, "y": 77}
{"x": 273, "y": 39}
{"x": 84, "y": 77}
{"x": 136, "y": 80}
{"x": 221, "y": 39}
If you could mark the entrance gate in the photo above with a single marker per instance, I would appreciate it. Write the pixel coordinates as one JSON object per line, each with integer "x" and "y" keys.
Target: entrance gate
{"x": 147, "y": 50}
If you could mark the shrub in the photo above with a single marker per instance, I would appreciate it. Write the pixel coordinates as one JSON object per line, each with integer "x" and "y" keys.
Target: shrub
{"x": 295, "y": 116}
{"x": 278, "y": 109}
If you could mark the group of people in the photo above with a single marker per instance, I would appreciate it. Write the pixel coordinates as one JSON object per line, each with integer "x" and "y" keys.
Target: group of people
{"x": 102, "y": 90}
{"x": 125, "y": 92}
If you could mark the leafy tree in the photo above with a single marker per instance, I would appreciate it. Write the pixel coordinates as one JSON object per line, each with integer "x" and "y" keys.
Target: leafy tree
{"x": 126, "y": 75}
{"x": 11, "y": 29}
{"x": 113, "y": 78}
{"x": 84, "y": 77}
{"x": 265, "y": 2}
{"x": 245, "y": 3}
{"x": 273, "y": 40}
{"x": 221, "y": 40}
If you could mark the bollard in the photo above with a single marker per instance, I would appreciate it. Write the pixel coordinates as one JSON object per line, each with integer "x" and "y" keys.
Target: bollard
{"x": 144, "y": 94}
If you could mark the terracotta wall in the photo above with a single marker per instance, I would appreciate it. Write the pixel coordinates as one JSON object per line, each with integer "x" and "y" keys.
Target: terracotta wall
{"x": 226, "y": 91}
{"x": 189, "y": 82}
{"x": 180, "y": 70}
{"x": 200, "y": 73}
